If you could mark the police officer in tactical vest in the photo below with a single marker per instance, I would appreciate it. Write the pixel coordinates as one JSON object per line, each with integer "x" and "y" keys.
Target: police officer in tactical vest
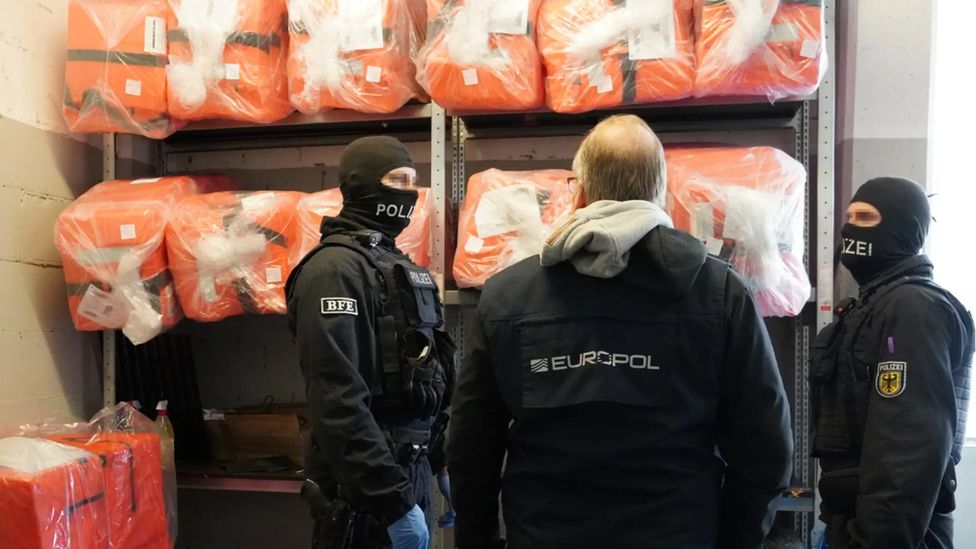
{"x": 378, "y": 366}
{"x": 890, "y": 382}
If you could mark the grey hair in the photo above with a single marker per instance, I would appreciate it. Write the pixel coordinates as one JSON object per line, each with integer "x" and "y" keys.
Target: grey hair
{"x": 622, "y": 159}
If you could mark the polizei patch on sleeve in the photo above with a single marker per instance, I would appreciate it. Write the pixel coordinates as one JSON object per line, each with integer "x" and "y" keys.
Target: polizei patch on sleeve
{"x": 339, "y": 306}
{"x": 891, "y": 378}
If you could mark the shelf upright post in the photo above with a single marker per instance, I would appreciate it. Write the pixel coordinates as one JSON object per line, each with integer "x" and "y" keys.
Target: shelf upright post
{"x": 108, "y": 336}
{"x": 438, "y": 190}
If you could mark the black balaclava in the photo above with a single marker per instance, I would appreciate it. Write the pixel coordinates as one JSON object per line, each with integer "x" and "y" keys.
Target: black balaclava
{"x": 365, "y": 200}
{"x": 905, "y": 216}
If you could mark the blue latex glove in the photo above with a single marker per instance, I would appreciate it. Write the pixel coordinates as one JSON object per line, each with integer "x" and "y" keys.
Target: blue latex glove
{"x": 444, "y": 483}
{"x": 410, "y": 531}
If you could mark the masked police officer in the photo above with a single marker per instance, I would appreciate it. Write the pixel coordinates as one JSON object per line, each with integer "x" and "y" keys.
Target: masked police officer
{"x": 378, "y": 366}
{"x": 890, "y": 382}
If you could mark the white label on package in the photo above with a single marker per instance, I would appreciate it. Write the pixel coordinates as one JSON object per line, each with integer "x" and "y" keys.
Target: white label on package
{"x": 361, "y": 25}
{"x": 702, "y": 221}
{"x": 373, "y": 74}
{"x": 272, "y": 275}
{"x": 133, "y": 87}
{"x": 783, "y": 32}
{"x": 470, "y": 77}
{"x": 653, "y": 33}
{"x": 810, "y": 49}
{"x": 474, "y": 245}
{"x": 714, "y": 246}
{"x": 509, "y": 17}
{"x": 604, "y": 85}
{"x": 145, "y": 181}
{"x": 598, "y": 78}
{"x": 127, "y": 232}
{"x": 261, "y": 201}
{"x": 155, "y": 36}
{"x": 232, "y": 71}
{"x": 507, "y": 209}
{"x": 103, "y": 308}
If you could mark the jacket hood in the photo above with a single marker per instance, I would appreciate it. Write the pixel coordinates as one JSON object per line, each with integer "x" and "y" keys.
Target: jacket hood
{"x": 633, "y": 240}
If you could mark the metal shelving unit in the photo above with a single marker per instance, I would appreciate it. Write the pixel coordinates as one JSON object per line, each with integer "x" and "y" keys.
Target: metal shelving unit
{"x": 430, "y": 123}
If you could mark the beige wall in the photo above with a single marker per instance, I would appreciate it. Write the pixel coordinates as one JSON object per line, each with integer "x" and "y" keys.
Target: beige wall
{"x": 48, "y": 371}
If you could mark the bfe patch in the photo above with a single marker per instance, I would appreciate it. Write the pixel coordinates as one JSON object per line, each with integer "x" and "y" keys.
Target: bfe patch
{"x": 339, "y": 306}
{"x": 891, "y": 379}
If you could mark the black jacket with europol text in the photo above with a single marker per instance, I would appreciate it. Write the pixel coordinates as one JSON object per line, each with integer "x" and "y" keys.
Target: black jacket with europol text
{"x": 642, "y": 410}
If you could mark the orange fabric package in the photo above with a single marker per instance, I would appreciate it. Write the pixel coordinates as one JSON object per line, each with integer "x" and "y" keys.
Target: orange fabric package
{"x": 111, "y": 241}
{"x": 351, "y": 54}
{"x": 759, "y": 47}
{"x": 51, "y": 496}
{"x": 414, "y": 241}
{"x": 746, "y": 205}
{"x": 227, "y": 59}
{"x": 481, "y": 55}
{"x": 605, "y": 53}
{"x": 506, "y": 217}
{"x": 132, "y": 468}
{"x": 229, "y": 252}
{"x": 115, "y": 74}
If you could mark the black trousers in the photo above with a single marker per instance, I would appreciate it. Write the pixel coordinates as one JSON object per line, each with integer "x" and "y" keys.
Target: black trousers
{"x": 938, "y": 536}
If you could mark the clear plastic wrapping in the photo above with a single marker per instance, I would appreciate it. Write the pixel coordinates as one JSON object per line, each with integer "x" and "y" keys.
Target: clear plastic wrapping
{"x": 746, "y": 205}
{"x": 481, "y": 55}
{"x": 115, "y": 73}
{"x": 229, "y": 252}
{"x": 506, "y": 217}
{"x": 227, "y": 59}
{"x": 759, "y": 47}
{"x": 111, "y": 241}
{"x": 605, "y": 53}
{"x": 413, "y": 241}
{"x": 351, "y": 54}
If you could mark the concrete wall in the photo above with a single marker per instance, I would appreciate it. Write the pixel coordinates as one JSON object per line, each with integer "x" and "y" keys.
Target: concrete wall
{"x": 48, "y": 371}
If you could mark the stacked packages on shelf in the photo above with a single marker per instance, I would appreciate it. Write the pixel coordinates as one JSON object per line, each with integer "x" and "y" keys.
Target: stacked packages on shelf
{"x": 506, "y": 217}
{"x": 99, "y": 485}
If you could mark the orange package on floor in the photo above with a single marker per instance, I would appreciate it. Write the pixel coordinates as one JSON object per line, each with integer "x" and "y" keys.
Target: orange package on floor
{"x": 51, "y": 496}
{"x": 759, "y": 47}
{"x": 506, "y": 217}
{"x": 414, "y": 241}
{"x": 227, "y": 60}
{"x": 746, "y": 205}
{"x": 115, "y": 74}
{"x": 133, "y": 472}
{"x": 481, "y": 55}
{"x": 350, "y": 54}
{"x": 605, "y": 53}
{"x": 229, "y": 252}
{"x": 115, "y": 266}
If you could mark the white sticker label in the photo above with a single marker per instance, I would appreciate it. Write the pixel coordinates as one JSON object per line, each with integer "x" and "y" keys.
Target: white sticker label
{"x": 508, "y": 209}
{"x": 272, "y": 275}
{"x": 598, "y": 78}
{"x": 509, "y": 17}
{"x": 653, "y": 34}
{"x": 104, "y": 308}
{"x": 232, "y": 71}
{"x": 133, "y": 87}
{"x": 145, "y": 180}
{"x": 127, "y": 232}
{"x": 373, "y": 74}
{"x": 714, "y": 246}
{"x": 702, "y": 221}
{"x": 339, "y": 306}
{"x": 783, "y": 32}
{"x": 361, "y": 25}
{"x": 470, "y": 77}
{"x": 155, "y": 36}
{"x": 810, "y": 49}
{"x": 474, "y": 245}
{"x": 604, "y": 85}
{"x": 260, "y": 201}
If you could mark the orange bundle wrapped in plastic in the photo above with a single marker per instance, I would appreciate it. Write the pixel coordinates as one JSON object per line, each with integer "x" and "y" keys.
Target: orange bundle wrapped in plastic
{"x": 229, "y": 253}
{"x": 350, "y": 54}
{"x": 759, "y": 47}
{"x": 481, "y": 55}
{"x": 132, "y": 469}
{"x": 506, "y": 217}
{"x": 111, "y": 241}
{"x": 746, "y": 205}
{"x": 115, "y": 75}
{"x": 51, "y": 496}
{"x": 414, "y": 241}
{"x": 228, "y": 60}
{"x": 605, "y": 53}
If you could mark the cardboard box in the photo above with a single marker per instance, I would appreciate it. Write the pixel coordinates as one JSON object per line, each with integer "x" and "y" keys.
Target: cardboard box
{"x": 260, "y": 432}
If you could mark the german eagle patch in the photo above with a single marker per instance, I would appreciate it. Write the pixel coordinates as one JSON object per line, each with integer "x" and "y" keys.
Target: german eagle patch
{"x": 891, "y": 378}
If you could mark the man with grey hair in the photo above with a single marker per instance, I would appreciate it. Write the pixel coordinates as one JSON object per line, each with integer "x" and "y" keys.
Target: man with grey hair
{"x": 623, "y": 377}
